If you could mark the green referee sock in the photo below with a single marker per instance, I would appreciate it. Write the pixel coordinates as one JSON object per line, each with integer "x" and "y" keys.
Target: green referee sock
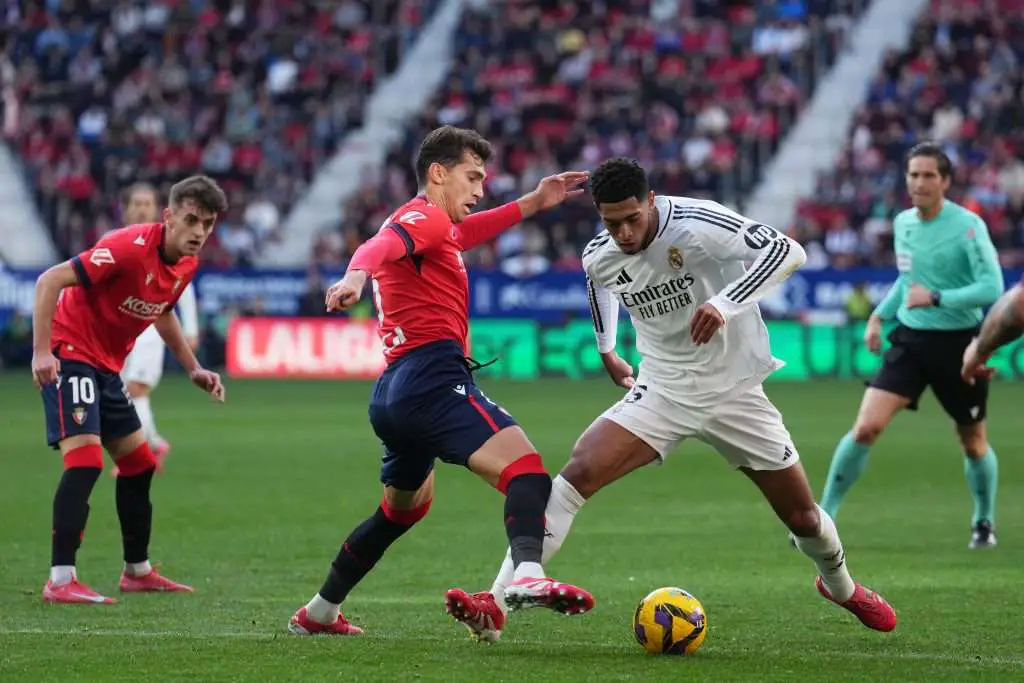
{"x": 848, "y": 463}
{"x": 983, "y": 479}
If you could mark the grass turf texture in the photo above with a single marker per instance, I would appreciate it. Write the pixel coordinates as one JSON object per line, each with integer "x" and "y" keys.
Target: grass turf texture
{"x": 259, "y": 492}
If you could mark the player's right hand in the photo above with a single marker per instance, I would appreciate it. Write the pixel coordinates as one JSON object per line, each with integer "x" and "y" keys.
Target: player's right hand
{"x": 873, "y": 335}
{"x": 45, "y": 369}
{"x": 346, "y": 292}
{"x": 618, "y": 369}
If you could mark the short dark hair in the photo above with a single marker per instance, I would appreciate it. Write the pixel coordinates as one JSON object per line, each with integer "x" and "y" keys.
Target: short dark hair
{"x": 617, "y": 179}
{"x": 202, "y": 190}
{"x": 131, "y": 190}
{"x": 933, "y": 150}
{"x": 446, "y": 145}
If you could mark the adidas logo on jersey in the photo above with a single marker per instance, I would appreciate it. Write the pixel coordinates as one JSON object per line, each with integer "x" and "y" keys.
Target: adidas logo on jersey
{"x": 623, "y": 278}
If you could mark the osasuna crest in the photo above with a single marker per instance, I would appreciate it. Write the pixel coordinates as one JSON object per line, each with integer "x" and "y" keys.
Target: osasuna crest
{"x": 675, "y": 258}
{"x": 78, "y": 415}
{"x": 177, "y": 283}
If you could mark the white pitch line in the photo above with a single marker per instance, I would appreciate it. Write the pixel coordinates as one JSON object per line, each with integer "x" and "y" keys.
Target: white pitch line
{"x": 965, "y": 660}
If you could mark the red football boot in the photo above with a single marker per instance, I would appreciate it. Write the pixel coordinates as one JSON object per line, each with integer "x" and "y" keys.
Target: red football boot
{"x": 479, "y": 612}
{"x": 151, "y": 583}
{"x": 74, "y": 593}
{"x": 868, "y": 606}
{"x": 560, "y": 597}
{"x": 302, "y": 625}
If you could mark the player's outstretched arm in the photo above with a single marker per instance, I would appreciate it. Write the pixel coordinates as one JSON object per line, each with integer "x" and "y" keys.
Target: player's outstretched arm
{"x": 170, "y": 331}
{"x": 1003, "y": 324}
{"x": 478, "y": 228}
{"x": 604, "y": 310}
{"x": 45, "y": 367}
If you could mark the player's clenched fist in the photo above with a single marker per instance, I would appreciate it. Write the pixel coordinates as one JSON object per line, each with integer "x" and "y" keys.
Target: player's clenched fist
{"x": 45, "y": 369}
{"x": 618, "y": 369}
{"x": 705, "y": 322}
{"x": 346, "y": 292}
{"x": 208, "y": 381}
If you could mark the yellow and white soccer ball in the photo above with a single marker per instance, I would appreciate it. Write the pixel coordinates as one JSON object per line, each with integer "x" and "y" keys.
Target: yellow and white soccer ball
{"x": 670, "y": 621}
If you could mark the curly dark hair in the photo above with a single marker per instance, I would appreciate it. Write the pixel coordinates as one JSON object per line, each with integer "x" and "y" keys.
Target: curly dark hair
{"x": 617, "y": 179}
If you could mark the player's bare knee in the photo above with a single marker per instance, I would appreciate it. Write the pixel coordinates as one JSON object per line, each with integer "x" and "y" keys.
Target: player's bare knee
{"x": 867, "y": 431}
{"x": 581, "y": 472}
{"x": 138, "y": 389}
{"x": 974, "y": 440}
{"x": 802, "y": 521}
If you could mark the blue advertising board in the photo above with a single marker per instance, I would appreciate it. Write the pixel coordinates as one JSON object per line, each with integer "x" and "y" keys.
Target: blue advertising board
{"x": 548, "y": 298}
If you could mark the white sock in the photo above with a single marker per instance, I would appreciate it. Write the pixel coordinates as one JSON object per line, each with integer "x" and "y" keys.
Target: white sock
{"x": 145, "y": 411}
{"x": 138, "y": 568}
{"x": 529, "y": 570}
{"x": 62, "y": 574}
{"x": 321, "y": 611}
{"x": 827, "y": 552}
{"x": 564, "y": 503}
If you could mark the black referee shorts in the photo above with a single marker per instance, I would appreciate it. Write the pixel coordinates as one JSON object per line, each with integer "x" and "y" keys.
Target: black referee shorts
{"x": 918, "y": 359}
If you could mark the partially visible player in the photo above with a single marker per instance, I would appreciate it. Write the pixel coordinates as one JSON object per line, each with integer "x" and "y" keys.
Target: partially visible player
{"x": 145, "y": 364}
{"x": 676, "y": 264}
{"x": 949, "y": 271}
{"x": 1003, "y": 324}
{"x": 426, "y": 405}
{"x": 88, "y": 313}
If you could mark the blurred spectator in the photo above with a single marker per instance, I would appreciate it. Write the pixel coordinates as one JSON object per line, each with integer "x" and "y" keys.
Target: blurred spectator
{"x": 959, "y": 83}
{"x": 98, "y": 94}
{"x": 16, "y": 341}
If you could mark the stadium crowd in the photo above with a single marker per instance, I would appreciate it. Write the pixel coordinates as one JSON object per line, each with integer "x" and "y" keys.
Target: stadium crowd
{"x": 98, "y": 94}
{"x": 959, "y": 82}
{"x": 701, "y": 94}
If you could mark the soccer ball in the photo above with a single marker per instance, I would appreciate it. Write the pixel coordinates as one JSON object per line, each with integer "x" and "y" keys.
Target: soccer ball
{"x": 670, "y": 621}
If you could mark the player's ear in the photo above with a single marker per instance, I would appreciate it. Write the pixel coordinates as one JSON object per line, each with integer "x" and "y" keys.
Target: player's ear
{"x": 167, "y": 214}
{"x": 650, "y": 199}
{"x": 437, "y": 173}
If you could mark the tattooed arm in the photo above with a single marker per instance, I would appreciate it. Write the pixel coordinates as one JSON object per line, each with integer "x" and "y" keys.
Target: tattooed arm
{"x": 1004, "y": 324}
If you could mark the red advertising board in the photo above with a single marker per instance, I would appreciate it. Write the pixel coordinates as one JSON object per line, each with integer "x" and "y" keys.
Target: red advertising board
{"x": 304, "y": 348}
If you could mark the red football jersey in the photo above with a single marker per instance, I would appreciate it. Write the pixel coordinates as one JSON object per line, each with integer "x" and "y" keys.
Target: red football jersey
{"x": 125, "y": 285}
{"x": 423, "y": 297}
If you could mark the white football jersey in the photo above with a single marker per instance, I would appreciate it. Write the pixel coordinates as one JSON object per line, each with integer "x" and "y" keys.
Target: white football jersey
{"x": 697, "y": 256}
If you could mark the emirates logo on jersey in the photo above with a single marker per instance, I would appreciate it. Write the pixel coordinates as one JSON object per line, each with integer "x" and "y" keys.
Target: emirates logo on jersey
{"x": 139, "y": 308}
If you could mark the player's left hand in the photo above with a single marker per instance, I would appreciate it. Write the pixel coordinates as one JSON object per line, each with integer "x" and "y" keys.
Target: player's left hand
{"x": 346, "y": 292}
{"x": 208, "y": 381}
{"x": 974, "y": 365}
{"x": 705, "y": 322}
{"x": 918, "y": 296}
{"x": 553, "y": 190}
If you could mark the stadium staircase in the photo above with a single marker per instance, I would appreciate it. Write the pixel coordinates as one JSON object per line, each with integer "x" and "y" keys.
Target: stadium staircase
{"x": 820, "y": 134}
{"x": 24, "y": 240}
{"x": 393, "y": 104}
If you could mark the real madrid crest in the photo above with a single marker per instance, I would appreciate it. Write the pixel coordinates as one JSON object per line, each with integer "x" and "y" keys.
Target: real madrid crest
{"x": 78, "y": 414}
{"x": 675, "y": 258}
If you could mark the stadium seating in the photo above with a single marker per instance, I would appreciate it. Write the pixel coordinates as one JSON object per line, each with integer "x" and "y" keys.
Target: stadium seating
{"x": 253, "y": 92}
{"x": 702, "y": 98}
{"x": 960, "y": 83}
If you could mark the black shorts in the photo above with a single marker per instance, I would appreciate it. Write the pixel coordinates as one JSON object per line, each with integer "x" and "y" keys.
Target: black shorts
{"x": 87, "y": 400}
{"x": 426, "y": 406}
{"x": 921, "y": 358}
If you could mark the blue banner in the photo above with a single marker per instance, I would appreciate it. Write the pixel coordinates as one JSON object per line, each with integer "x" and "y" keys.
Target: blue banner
{"x": 549, "y": 298}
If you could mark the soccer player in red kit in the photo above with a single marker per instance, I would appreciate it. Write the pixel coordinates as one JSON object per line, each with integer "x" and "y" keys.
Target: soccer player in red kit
{"x": 425, "y": 404}
{"x": 88, "y": 312}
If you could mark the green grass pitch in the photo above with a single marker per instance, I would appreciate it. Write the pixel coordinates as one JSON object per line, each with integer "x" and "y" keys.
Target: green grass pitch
{"x": 259, "y": 492}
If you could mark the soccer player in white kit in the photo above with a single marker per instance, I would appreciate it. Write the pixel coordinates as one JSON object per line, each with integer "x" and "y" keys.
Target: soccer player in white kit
{"x": 145, "y": 364}
{"x": 677, "y": 265}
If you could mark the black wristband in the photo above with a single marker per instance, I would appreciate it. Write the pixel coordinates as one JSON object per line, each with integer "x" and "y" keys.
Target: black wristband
{"x": 936, "y": 298}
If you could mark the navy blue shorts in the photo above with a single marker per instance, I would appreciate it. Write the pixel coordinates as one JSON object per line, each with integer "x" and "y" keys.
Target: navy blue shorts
{"x": 426, "y": 406}
{"x": 87, "y": 400}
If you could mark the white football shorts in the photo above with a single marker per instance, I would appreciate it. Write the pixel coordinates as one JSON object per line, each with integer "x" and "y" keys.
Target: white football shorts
{"x": 145, "y": 364}
{"x": 746, "y": 429}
